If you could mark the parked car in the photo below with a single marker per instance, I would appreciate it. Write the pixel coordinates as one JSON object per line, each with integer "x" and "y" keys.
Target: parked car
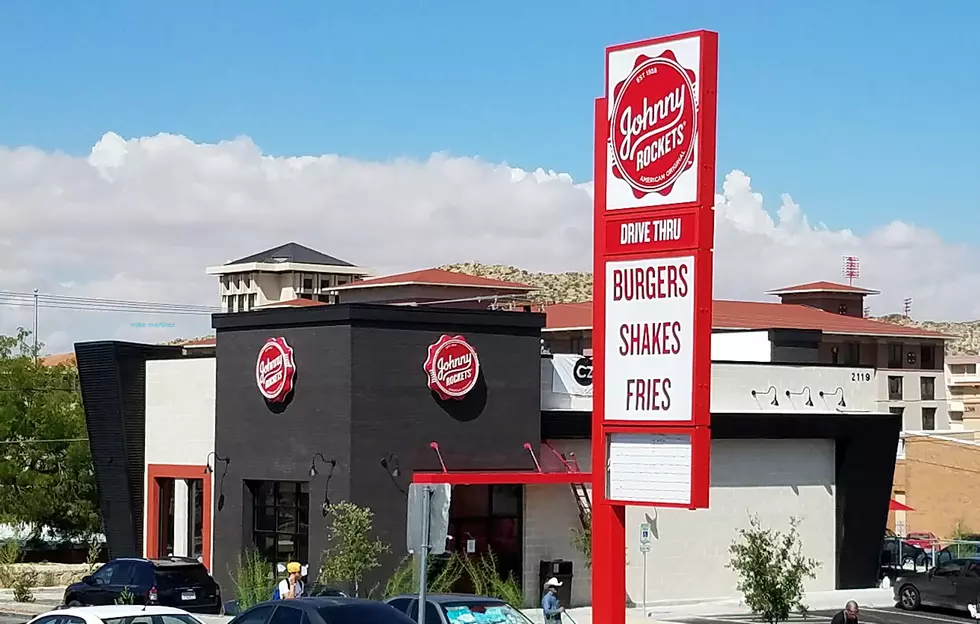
{"x": 173, "y": 582}
{"x": 116, "y": 614}
{"x": 896, "y": 553}
{"x": 963, "y": 550}
{"x": 322, "y": 610}
{"x": 458, "y": 609}
{"x": 924, "y": 540}
{"x": 952, "y": 585}
{"x": 231, "y": 607}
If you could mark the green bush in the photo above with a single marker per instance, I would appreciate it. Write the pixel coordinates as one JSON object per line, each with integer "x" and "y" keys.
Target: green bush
{"x": 582, "y": 542}
{"x": 125, "y": 597}
{"x": 253, "y": 579}
{"x": 771, "y": 569}
{"x": 486, "y": 581}
{"x": 351, "y": 551}
{"x": 441, "y": 577}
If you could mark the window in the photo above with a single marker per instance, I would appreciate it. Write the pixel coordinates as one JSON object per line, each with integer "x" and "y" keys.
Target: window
{"x": 401, "y": 604}
{"x": 286, "y": 615}
{"x": 431, "y": 612}
{"x": 948, "y": 569}
{"x": 928, "y": 418}
{"x": 324, "y": 284}
{"x": 898, "y": 411}
{"x": 241, "y": 303}
{"x": 248, "y": 280}
{"x": 852, "y": 354}
{"x": 894, "y": 388}
{"x": 307, "y": 283}
{"x": 842, "y": 309}
{"x": 927, "y": 387}
{"x": 257, "y": 615}
{"x": 281, "y": 520}
{"x": 251, "y": 301}
{"x": 362, "y": 613}
{"x": 929, "y": 357}
{"x": 895, "y": 352}
{"x": 232, "y": 300}
{"x": 169, "y": 618}
{"x": 106, "y": 573}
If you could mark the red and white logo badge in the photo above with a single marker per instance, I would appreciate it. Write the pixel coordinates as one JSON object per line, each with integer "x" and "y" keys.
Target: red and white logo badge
{"x": 654, "y": 125}
{"x": 452, "y": 367}
{"x": 275, "y": 370}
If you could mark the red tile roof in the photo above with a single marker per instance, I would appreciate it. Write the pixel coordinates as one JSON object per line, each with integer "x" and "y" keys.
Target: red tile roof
{"x": 757, "y": 315}
{"x": 823, "y": 287}
{"x": 57, "y": 359}
{"x": 292, "y": 303}
{"x": 436, "y": 277}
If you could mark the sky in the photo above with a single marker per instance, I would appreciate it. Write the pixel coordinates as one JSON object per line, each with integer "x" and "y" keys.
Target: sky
{"x": 142, "y": 142}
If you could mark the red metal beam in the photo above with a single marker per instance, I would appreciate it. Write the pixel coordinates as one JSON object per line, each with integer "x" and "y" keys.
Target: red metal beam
{"x": 503, "y": 477}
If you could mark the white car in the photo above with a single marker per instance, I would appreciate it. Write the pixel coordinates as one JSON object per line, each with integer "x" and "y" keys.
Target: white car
{"x": 117, "y": 614}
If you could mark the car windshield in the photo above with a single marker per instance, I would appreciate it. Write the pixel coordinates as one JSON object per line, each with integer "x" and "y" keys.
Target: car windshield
{"x": 483, "y": 612}
{"x": 142, "y": 618}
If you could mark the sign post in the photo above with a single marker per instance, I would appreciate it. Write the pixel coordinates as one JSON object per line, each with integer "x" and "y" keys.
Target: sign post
{"x": 644, "y": 549}
{"x": 652, "y": 299}
{"x": 424, "y": 551}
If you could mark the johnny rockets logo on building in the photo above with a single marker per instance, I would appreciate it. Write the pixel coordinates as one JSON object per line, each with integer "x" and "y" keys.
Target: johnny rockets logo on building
{"x": 275, "y": 370}
{"x": 653, "y": 124}
{"x": 650, "y": 339}
{"x": 452, "y": 367}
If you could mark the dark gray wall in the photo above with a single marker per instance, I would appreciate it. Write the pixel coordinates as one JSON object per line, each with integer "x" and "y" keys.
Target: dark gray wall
{"x": 360, "y": 395}
{"x": 112, "y": 376}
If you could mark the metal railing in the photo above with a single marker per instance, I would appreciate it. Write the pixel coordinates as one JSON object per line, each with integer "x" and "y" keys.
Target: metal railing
{"x": 921, "y": 555}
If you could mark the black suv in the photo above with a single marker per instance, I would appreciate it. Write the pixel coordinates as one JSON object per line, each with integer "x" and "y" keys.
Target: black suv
{"x": 174, "y": 582}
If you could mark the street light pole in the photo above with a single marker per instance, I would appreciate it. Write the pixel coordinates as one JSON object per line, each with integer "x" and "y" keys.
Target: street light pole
{"x": 35, "y": 326}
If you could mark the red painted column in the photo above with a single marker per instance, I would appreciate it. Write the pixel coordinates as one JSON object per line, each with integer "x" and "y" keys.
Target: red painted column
{"x": 609, "y": 564}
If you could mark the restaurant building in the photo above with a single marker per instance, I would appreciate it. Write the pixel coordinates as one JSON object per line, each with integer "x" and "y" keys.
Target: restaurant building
{"x": 207, "y": 449}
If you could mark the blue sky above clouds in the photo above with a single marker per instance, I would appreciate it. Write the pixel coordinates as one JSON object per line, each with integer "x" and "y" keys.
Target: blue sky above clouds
{"x": 863, "y": 113}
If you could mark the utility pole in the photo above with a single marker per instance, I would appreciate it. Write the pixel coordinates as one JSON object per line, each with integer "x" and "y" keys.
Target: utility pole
{"x": 35, "y": 326}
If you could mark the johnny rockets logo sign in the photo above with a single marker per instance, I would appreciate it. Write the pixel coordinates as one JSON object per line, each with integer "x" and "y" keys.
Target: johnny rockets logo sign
{"x": 452, "y": 367}
{"x": 650, "y": 339}
{"x": 653, "y": 125}
{"x": 275, "y": 370}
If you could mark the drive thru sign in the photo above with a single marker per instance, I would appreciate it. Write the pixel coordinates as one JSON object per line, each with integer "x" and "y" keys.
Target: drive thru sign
{"x": 652, "y": 298}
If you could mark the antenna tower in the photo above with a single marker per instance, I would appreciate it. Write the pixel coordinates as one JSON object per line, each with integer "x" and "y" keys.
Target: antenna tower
{"x": 851, "y": 268}
{"x": 907, "y": 307}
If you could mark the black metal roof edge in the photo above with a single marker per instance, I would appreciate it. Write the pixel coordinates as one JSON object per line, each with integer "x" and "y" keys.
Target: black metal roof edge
{"x": 355, "y": 313}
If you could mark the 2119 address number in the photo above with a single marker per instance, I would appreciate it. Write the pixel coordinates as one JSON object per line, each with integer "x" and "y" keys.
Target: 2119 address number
{"x": 860, "y": 376}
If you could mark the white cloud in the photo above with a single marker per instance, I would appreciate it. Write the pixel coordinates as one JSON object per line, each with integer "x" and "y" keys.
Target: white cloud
{"x": 141, "y": 218}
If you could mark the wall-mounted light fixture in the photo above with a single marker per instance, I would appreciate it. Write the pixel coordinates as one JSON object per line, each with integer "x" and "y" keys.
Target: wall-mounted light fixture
{"x": 209, "y": 469}
{"x": 530, "y": 450}
{"x": 435, "y": 447}
{"x": 804, "y": 391}
{"x": 771, "y": 390}
{"x": 325, "y": 505}
{"x": 840, "y": 391}
{"x": 390, "y": 464}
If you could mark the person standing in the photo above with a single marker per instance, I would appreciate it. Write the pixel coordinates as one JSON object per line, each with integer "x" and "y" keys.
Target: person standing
{"x": 292, "y": 586}
{"x": 849, "y": 615}
{"x": 549, "y": 602}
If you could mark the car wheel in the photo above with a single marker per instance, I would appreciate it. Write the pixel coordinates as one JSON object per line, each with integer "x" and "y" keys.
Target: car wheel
{"x": 74, "y": 603}
{"x": 909, "y": 598}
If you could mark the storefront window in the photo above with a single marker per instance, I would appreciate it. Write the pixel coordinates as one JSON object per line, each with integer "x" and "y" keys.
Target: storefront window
{"x": 280, "y": 521}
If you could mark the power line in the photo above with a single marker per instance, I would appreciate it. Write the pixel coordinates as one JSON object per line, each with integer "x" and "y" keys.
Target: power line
{"x": 65, "y": 302}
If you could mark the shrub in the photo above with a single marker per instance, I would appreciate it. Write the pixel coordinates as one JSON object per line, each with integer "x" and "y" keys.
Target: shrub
{"x": 253, "y": 579}
{"x": 487, "y": 581}
{"x": 582, "y": 542}
{"x": 771, "y": 570}
{"x": 351, "y": 552}
{"x": 125, "y": 597}
{"x": 441, "y": 577}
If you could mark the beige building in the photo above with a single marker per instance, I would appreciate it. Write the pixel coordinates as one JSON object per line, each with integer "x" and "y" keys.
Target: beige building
{"x": 963, "y": 387}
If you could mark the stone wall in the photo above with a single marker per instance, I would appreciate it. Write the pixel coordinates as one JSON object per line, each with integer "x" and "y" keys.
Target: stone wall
{"x": 51, "y": 574}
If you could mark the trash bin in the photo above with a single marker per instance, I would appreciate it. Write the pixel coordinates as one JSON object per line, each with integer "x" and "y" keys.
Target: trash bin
{"x": 561, "y": 570}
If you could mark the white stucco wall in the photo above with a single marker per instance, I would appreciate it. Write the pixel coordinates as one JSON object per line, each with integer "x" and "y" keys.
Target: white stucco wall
{"x": 180, "y": 409}
{"x": 776, "y": 479}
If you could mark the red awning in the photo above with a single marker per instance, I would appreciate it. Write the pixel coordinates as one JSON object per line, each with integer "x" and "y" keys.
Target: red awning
{"x": 894, "y": 505}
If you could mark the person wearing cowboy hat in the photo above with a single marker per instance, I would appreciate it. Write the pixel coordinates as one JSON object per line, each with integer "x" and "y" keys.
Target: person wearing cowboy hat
{"x": 549, "y": 602}
{"x": 292, "y": 586}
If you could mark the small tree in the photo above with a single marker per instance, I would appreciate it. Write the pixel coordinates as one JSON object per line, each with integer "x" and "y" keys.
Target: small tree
{"x": 351, "y": 551}
{"x": 582, "y": 541}
{"x": 771, "y": 570}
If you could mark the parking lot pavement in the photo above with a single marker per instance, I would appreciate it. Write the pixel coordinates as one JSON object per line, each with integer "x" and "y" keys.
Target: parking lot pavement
{"x": 873, "y": 616}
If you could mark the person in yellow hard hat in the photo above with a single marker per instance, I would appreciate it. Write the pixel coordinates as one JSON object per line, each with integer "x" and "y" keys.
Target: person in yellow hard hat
{"x": 292, "y": 586}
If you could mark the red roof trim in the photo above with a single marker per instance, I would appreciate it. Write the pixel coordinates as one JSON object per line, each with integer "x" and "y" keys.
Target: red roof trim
{"x": 813, "y": 287}
{"x": 435, "y": 277}
{"x": 755, "y": 315}
{"x": 292, "y": 303}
